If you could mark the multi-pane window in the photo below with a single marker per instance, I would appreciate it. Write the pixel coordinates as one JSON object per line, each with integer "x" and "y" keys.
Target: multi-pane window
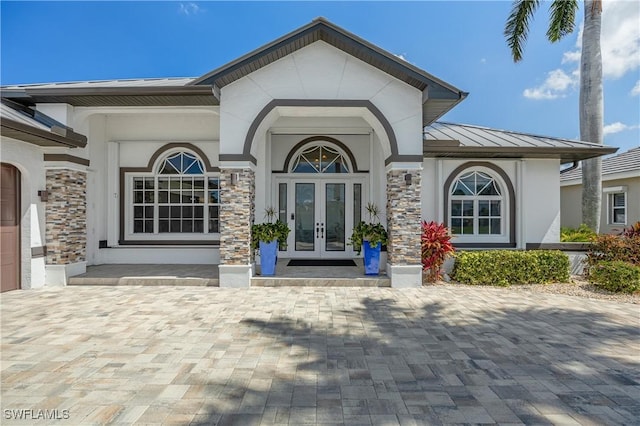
{"x": 476, "y": 205}
{"x": 320, "y": 159}
{"x": 180, "y": 198}
{"x": 618, "y": 208}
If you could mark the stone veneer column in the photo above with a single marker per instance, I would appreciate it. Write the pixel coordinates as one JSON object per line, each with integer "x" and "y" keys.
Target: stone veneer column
{"x": 237, "y": 204}
{"x": 66, "y": 224}
{"x": 404, "y": 215}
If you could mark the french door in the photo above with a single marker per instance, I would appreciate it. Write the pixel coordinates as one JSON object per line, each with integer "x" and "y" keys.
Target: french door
{"x": 321, "y": 214}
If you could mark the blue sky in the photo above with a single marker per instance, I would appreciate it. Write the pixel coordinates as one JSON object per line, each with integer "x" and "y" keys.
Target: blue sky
{"x": 458, "y": 41}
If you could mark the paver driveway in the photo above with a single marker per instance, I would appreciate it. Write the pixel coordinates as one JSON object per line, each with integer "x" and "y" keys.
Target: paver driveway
{"x": 194, "y": 355}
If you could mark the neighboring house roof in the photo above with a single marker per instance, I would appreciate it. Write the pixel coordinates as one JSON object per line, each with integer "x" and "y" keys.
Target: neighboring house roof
{"x": 439, "y": 97}
{"x": 25, "y": 124}
{"x": 625, "y": 164}
{"x": 443, "y": 139}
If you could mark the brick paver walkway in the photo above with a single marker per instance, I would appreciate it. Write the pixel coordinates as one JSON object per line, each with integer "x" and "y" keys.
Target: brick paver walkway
{"x": 194, "y": 355}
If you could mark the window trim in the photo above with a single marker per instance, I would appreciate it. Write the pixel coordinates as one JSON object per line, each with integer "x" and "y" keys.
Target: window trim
{"x": 127, "y": 237}
{"x": 508, "y": 238}
{"x": 611, "y": 207}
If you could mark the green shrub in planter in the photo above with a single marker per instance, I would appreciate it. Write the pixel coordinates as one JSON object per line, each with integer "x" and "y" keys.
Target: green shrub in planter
{"x": 508, "y": 267}
{"x": 615, "y": 276}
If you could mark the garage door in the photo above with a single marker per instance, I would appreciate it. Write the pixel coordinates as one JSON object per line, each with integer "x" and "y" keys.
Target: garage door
{"x": 10, "y": 226}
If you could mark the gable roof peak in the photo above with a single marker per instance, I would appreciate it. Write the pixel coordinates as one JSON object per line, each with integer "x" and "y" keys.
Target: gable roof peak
{"x": 442, "y": 96}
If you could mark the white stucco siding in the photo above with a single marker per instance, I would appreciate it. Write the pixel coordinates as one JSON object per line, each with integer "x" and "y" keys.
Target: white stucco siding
{"x": 125, "y": 137}
{"x": 166, "y": 127}
{"x": 320, "y": 71}
{"x": 62, "y": 113}
{"x": 537, "y": 208}
{"x": 28, "y": 159}
{"x": 431, "y": 191}
{"x": 541, "y": 184}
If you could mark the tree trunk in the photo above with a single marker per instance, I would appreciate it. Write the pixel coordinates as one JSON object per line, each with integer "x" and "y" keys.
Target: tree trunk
{"x": 591, "y": 112}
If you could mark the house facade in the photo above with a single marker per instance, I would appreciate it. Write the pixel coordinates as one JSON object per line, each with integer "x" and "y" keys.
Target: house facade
{"x": 316, "y": 124}
{"x": 620, "y": 193}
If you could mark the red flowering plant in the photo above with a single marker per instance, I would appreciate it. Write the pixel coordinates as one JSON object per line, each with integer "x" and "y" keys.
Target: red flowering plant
{"x": 632, "y": 231}
{"x": 436, "y": 248}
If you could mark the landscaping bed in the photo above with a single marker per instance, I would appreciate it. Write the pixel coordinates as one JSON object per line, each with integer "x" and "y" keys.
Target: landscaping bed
{"x": 577, "y": 287}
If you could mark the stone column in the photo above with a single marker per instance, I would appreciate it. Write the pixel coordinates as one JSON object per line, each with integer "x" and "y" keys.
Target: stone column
{"x": 404, "y": 215}
{"x": 237, "y": 204}
{"x": 66, "y": 224}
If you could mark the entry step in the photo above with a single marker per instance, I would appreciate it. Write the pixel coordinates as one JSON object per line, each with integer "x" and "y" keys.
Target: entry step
{"x": 380, "y": 281}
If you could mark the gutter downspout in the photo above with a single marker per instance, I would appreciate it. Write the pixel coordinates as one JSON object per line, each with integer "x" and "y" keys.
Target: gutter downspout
{"x": 573, "y": 167}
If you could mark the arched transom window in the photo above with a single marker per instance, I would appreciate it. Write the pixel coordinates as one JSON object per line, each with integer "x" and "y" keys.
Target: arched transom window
{"x": 320, "y": 158}
{"x": 178, "y": 197}
{"x": 477, "y": 205}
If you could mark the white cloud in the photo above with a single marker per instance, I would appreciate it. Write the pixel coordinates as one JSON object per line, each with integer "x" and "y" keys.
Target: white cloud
{"x": 619, "y": 39}
{"x": 571, "y": 56}
{"x": 616, "y": 127}
{"x": 189, "y": 8}
{"x": 620, "y": 45}
{"x": 555, "y": 86}
{"x": 636, "y": 89}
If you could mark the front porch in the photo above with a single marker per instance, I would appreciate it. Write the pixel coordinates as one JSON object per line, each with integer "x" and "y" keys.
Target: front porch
{"x": 207, "y": 275}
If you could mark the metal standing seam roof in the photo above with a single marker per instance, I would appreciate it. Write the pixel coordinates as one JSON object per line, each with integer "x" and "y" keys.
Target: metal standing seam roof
{"x": 628, "y": 161}
{"x": 129, "y": 82}
{"x": 21, "y": 123}
{"x": 129, "y": 92}
{"x": 11, "y": 114}
{"x": 442, "y": 139}
{"x": 440, "y": 95}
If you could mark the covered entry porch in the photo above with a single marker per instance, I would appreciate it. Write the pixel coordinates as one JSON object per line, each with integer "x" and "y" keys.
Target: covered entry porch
{"x": 207, "y": 275}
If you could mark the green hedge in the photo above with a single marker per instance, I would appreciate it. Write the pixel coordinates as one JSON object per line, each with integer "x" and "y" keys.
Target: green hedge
{"x": 507, "y": 267}
{"x": 615, "y": 276}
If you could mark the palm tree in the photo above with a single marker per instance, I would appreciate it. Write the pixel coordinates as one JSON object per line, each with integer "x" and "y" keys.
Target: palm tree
{"x": 561, "y": 23}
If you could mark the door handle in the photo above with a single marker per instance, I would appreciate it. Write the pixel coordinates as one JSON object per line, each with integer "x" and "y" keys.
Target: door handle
{"x": 317, "y": 230}
{"x": 322, "y": 230}
{"x": 292, "y": 216}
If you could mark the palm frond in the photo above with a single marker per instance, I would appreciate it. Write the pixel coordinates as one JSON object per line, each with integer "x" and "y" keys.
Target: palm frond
{"x": 517, "y": 28}
{"x": 563, "y": 18}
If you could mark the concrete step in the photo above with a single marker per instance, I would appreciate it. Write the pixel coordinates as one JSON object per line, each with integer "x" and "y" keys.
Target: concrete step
{"x": 380, "y": 281}
{"x": 144, "y": 281}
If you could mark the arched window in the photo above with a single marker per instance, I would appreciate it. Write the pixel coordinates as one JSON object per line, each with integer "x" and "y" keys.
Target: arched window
{"x": 320, "y": 158}
{"x": 477, "y": 205}
{"x": 177, "y": 197}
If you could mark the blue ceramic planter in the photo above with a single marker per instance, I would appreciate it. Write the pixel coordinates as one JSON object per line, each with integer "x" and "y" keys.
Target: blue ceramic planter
{"x": 268, "y": 257}
{"x": 371, "y": 258}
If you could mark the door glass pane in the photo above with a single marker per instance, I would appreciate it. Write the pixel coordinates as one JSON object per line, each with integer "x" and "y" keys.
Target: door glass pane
{"x": 282, "y": 208}
{"x": 305, "y": 216}
{"x": 335, "y": 223}
{"x": 357, "y": 203}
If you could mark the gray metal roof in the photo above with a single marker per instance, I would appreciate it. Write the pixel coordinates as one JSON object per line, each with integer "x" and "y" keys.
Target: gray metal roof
{"x": 628, "y": 161}
{"x": 11, "y": 114}
{"x": 442, "y": 96}
{"x": 443, "y": 139}
{"x": 131, "y": 82}
{"x": 439, "y": 97}
{"x": 23, "y": 123}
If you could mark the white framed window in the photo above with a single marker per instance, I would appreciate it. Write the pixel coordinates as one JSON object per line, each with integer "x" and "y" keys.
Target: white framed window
{"x": 617, "y": 209}
{"x": 478, "y": 207}
{"x": 178, "y": 200}
{"x": 323, "y": 157}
